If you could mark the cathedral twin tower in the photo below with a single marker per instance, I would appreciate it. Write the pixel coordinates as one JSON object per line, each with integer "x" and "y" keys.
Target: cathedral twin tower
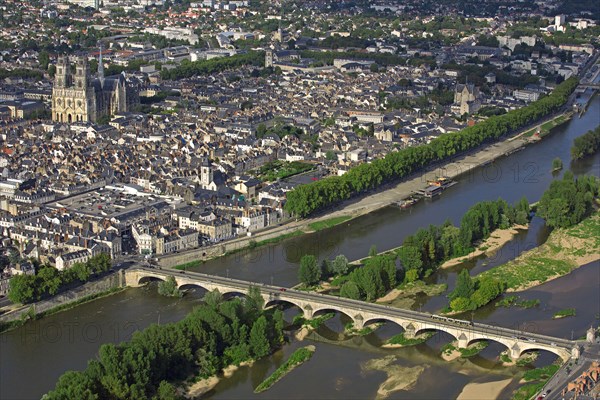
{"x": 83, "y": 98}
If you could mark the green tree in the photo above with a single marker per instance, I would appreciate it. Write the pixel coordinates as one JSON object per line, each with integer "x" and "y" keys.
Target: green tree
{"x": 464, "y": 286}
{"x": 410, "y": 258}
{"x": 50, "y": 280}
{"x": 169, "y": 288}
{"x": 22, "y": 288}
{"x": 166, "y": 391}
{"x": 259, "y": 343}
{"x": 213, "y": 299}
{"x": 350, "y": 290}
{"x": 330, "y": 155}
{"x": 309, "y": 272}
{"x": 340, "y": 265}
{"x": 373, "y": 251}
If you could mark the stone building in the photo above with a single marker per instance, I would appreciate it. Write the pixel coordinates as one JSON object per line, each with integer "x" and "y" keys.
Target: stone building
{"x": 82, "y": 98}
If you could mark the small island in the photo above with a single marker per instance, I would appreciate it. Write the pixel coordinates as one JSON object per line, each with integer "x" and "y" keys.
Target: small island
{"x": 298, "y": 357}
{"x": 557, "y": 164}
{"x": 567, "y": 312}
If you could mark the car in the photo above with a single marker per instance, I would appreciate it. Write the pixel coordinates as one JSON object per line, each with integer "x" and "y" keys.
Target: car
{"x": 531, "y": 340}
{"x": 282, "y": 289}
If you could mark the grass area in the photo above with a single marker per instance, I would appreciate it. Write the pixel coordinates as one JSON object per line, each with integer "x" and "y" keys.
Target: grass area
{"x": 528, "y": 391}
{"x": 546, "y": 127}
{"x": 567, "y": 312}
{"x": 282, "y": 169}
{"x": 541, "y": 373}
{"x": 505, "y": 358}
{"x": 554, "y": 258}
{"x": 328, "y": 223}
{"x": 515, "y": 301}
{"x": 469, "y": 351}
{"x": 473, "y": 349}
{"x": 400, "y": 339}
{"x": 539, "y": 376}
{"x": 187, "y": 265}
{"x": 298, "y": 357}
{"x": 31, "y": 315}
{"x": 417, "y": 287}
{"x": 527, "y": 359}
{"x": 448, "y": 348}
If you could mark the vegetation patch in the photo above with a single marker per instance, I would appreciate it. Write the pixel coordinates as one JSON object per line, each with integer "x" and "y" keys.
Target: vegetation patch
{"x": 313, "y": 323}
{"x": 298, "y": 357}
{"x": 169, "y": 288}
{"x": 540, "y": 376}
{"x": 328, "y": 223}
{"x": 215, "y": 334}
{"x": 567, "y": 312}
{"x": 282, "y": 169}
{"x": 553, "y": 258}
{"x": 473, "y": 349}
{"x": 515, "y": 301}
{"x": 541, "y": 373}
{"x": 527, "y": 358}
{"x": 403, "y": 341}
{"x": 191, "y": 264}
{"x": 528, "y": 391}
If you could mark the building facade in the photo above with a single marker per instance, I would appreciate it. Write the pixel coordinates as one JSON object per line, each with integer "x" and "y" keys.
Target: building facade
{"x": 82, "y": 98}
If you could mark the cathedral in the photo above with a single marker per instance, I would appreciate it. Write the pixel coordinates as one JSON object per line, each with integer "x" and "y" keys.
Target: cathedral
{"x": 82, "y": 98}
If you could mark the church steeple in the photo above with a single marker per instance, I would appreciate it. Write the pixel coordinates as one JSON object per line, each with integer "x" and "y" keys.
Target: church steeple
{"x": 101, "y": 67}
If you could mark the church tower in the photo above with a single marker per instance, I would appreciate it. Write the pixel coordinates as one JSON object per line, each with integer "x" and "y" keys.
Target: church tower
{"x": 206, "y": 174}
{"x": 268, "y": 58}
{"x": 82, "y": 73}
{"x": 62, "y": 78}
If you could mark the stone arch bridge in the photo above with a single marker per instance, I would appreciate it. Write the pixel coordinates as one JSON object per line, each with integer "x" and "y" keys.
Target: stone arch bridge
{"x": 363, "y": 313}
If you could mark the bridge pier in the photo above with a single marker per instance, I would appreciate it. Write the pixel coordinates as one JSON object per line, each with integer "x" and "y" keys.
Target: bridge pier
{"x": 515, "y": 352}
{"x": 410, "y": 331}
{"x": 359, "y": 322}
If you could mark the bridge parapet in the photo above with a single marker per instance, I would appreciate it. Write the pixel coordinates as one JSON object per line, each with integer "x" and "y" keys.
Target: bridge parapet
{"x": 362, "y": 313}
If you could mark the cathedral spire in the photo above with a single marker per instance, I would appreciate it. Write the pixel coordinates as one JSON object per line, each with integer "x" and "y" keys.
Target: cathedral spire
{"x": 101, "y": 67}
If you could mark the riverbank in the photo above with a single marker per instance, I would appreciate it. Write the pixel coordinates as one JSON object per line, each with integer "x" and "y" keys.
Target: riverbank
{"x": 32, "y": 314}
{"x": 354, "y": 208}
{"x": 203, "y": 386}
{"x": 563, "y": 251}
{"x": 487, "y": 390}
{"x": 489, "y": 246}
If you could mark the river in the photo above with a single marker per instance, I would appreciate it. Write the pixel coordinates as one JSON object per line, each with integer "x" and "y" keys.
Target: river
{"x": 35, "y": 355}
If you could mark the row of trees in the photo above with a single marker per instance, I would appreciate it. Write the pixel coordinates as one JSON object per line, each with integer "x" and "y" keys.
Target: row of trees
{"x": 586, "y": 144}
{"x": 568, "y": 201}
{"x": 214, "y": 335}
{"x": 305, "y": 199}
{"x": 188, "y": 69}
{"x": 48, "y": 280}
{"x": 422, "y": 253}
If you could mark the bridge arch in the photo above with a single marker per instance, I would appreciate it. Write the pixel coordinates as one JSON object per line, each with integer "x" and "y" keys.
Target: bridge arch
{"x": 192, "y": 285}
{"x": 149, "y": 278}
{"x": 419, "y": 330}
{"x": 487, "y": 339}
{"x": 562, "y": 353}
{"x": 323, "y": 310}
{"x": 370, "y": 321}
